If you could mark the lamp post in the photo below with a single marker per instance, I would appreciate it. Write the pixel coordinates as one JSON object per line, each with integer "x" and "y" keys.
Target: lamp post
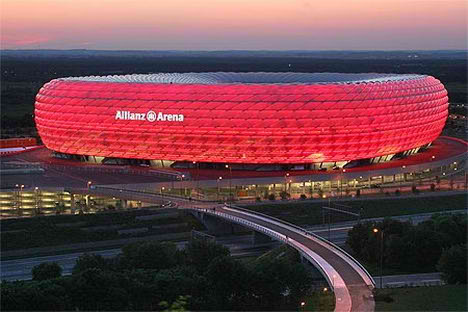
{"x": 376, "y": 230}
{"x": 217, "y": 182}
{"x": 182, "y": 178}
{"x": 197, "y": 167}
{"x": 20, "y": 198}
{"x": 341, "y": 182}
{"x": 36, "y": 193}
{"x": 230, "y": 183}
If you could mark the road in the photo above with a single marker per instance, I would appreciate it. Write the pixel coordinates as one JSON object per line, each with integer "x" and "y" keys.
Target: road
{"x": 339, "y": 231}
{"x": 10, "y": 270}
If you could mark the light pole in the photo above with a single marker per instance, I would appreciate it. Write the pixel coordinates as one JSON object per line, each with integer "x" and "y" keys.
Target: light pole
{"x": 36, "y": 193}
{"x": 20, "y": 198}
{"x": 341, "y": 182}
{"x": 230, "y": 183}
{"x": 217, "y": 182}
{"x": 376, "y": 230}
{"x": 197, "y": 167}
{"x": 182, "y": 178}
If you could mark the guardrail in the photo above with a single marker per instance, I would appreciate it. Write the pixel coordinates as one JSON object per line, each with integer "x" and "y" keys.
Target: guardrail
{"x": 338, "y": 250}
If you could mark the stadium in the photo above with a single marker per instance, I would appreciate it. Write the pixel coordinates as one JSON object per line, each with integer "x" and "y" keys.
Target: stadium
{"x": 260, "y": 121}
{"x": 234, "y": 136}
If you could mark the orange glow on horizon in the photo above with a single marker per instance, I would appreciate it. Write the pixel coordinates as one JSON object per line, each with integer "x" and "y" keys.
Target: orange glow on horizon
{"x": 234, "y": 24}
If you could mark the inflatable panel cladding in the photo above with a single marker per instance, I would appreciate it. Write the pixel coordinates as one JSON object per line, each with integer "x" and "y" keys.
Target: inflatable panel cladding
{"x": 241, "y": 117}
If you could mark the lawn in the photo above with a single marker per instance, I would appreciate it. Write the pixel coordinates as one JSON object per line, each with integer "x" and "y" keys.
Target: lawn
{"x": 437, "y": 298}
{"x": 319, "y": 301}
{"x": 309, "y": 212}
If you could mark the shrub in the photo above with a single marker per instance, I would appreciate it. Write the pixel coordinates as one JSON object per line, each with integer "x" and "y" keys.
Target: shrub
{"x": 258, "y": 199}
{"x": 452, "y": 264}
{"x": 303, "y": 196}
{"x": 432, "y": 187}
{"x": 414, "y": 189}
{"x": 271, "y": 197}
{"x": 46, "y": 271}
{"x": 358, "y": 193}
{"x": 397, "y": 192}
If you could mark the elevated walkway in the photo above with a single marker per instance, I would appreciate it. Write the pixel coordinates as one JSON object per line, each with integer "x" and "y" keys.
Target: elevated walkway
{"x": 351, "y": 283}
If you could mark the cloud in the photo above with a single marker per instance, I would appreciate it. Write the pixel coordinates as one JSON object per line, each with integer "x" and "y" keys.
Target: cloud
{"x": 25, "y": 41}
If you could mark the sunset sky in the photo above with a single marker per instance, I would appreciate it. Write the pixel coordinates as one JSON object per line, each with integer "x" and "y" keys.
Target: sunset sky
{"x": 234, "y": 24}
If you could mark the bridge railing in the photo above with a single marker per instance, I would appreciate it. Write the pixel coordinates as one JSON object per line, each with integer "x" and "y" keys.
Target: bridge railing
{"x": 283, "y": 238}
{"x": 364, "y": 273}
{"x": 343, "y": 300}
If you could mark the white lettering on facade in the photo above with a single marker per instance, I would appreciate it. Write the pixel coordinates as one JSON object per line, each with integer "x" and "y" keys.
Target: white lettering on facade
{"x": 150, "y": 116}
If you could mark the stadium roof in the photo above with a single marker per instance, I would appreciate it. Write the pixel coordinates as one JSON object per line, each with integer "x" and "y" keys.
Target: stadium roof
{"x": 251, "y": 78}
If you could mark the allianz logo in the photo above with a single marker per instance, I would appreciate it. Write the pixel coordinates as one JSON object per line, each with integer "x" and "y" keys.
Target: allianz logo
{"x": 150, "y": 116}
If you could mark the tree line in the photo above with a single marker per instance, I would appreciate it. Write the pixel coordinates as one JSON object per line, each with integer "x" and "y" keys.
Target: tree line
{"x": 149, "y": 275}
{"x": 438, "y": 244}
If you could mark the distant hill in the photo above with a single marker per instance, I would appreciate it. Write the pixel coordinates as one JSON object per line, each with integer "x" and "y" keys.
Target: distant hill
{"x": 373, "y": 55}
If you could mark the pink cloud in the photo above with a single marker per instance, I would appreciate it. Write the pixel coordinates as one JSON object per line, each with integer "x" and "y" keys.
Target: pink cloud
{"x": 23, "y": 41}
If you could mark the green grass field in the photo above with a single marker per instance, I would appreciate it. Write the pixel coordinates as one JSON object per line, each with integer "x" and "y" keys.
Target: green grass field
{"x": 310, "y": 213}
{"x": 437, "y": 298}
{"x": 319, "y": 301}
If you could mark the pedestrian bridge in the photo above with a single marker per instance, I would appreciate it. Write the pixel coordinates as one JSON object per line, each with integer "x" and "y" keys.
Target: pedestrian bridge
{"x": 350, "y": 281}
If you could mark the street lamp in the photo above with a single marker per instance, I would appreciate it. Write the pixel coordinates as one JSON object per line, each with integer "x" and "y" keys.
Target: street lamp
{"x": 217, "y": 182}
{"x": 197, "y": 167}
{"x": 376, "y": 230}
{"x": 230, "y": 183}
{"x": 341, "y": 182}
{"x": 36, "y": 189}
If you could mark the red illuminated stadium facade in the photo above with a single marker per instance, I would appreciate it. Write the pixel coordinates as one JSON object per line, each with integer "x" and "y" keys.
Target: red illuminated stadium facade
{"x": 242, "y": 118}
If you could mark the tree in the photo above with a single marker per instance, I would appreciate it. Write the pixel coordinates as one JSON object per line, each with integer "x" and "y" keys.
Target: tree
{"x": 177, "y": 306}
{"x": 452, "y": 264}
{"x": 45, "y": 295}
{"x": 200, "y": 253}
{"x": 95, "y": 289}
{"x": 149, "y": 255}
{"x": 230, "y": 283}
{"x": 358, "y": 237}
{"x": 88, "y": 261}
{"x": 46, "y": 270}
{"x": 423, "y": 249}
